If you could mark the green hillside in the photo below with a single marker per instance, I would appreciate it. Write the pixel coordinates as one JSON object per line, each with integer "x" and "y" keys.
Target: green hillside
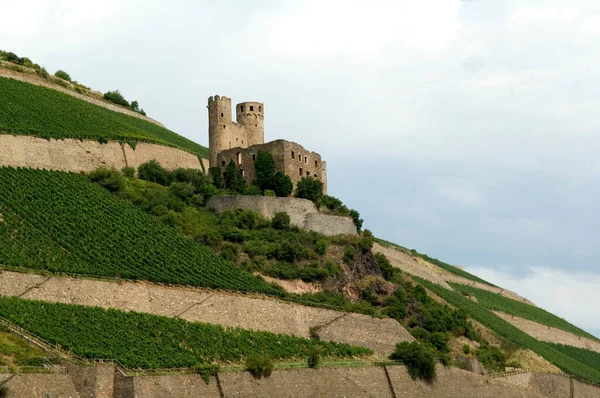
{"x": 497, "y": 302}
{"x": 28, "y": 109}
{"x": 567, "y": 363}
{"x": 149, "y": 341}
{"x": 61, "y": 222}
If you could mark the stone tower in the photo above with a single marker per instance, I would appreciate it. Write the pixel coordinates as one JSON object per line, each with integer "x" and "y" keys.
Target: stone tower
{"x": 251, "y": 115}
{"x": 224, "y": 134}
{"x": 219, "y": 126}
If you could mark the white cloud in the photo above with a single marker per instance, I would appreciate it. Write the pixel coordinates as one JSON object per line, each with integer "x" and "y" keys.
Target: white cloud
{"x": 571, "y": 295}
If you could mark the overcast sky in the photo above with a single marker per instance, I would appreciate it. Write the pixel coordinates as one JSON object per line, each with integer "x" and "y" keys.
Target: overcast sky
{"x": 467, "y": 130}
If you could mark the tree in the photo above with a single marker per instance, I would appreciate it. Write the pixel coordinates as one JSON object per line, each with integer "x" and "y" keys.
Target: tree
{"x": 309, "y": 188}
{"x": 135, "y": 106}
{"x": 215, "y": 174}
{"x": 61, "y": 74}
{"x": 264, "y": 166}
{"x": 419, "y": 360}
{"x": 234, "y": 179}
{"x": 152, "y": 171}
{"x": 282, "y": 184}
{"x": 116, "y": 97}
{"x": 281, "y": 220}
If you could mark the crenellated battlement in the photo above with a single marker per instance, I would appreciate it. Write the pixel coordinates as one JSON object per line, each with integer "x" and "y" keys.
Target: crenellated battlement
{"x": 214, "y": 98}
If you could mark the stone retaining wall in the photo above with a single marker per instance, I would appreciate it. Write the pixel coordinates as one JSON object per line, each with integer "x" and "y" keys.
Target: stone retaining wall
{"x": 86, "y": 155}
{"x": 303, "y": 213}
{"x": 198, "y": 305}
{"x": 549, "y": 334}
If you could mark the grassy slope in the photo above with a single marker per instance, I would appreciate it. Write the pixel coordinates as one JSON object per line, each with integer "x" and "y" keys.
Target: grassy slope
{"x": 450, "y": 268}
{"x": 497, "y": 302}
{"x": 16, "y": 352}
{"x": 148, "y": 341}
{"x": 62, "y": 223}
{"x": 481, "y": 314}
{"x": 28, "y": 109}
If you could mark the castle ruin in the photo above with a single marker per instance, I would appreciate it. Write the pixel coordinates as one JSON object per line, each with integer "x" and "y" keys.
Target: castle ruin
{"x": 241, "y": 140}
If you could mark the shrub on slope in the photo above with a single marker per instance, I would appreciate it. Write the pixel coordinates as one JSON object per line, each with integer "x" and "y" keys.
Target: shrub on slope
{"x": 32, "y": 110}
{"x": 63, "y": 223}
{"x": 149, "y": 341}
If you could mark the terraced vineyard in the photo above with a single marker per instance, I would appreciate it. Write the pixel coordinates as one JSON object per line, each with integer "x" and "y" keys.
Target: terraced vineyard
{"x": 590, "y": 358}
{"x": 450, "y": 268}
{"x": 28, "y": 109}
{"x": 149, "y": 341}
{"x": 60, "y": 222}
{"x": 497, "y": 302}
{"x": 565, "y": 362}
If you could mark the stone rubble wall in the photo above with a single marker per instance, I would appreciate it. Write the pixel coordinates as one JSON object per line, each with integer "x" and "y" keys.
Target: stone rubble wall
{"x": 199, "y": 305}
{"x": 303, "y": 213}
{"x": 86, "y": 155}
{"x": 548, "y": 333}
{"x": 38, "y": 81}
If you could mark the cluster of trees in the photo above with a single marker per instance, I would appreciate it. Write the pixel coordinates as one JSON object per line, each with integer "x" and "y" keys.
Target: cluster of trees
{"x": 116, "y": 97}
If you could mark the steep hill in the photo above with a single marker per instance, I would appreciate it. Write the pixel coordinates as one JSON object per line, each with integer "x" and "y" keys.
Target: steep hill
{"x": 28, "y": 109}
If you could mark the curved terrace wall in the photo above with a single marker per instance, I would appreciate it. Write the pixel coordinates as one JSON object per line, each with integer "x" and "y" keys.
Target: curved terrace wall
{"x": 303, "y": 213}
{"x": 86, "y": 155}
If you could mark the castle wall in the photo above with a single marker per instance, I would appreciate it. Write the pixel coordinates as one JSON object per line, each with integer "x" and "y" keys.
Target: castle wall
{"x": 303, "y": 213}
{"x": 86, "y": 155}
{"x": 290, "y": 158}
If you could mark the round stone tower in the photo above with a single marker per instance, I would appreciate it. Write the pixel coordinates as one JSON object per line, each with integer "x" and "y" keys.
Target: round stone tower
{"x": 251, "y": 115}
{"x": 219, "y": 126}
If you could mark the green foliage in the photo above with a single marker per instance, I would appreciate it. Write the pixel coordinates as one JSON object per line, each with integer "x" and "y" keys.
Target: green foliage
{"x": 128, "y": 172}
{"x": 419, "y": 360}
{"x": 264, "y": 166}
{"x": 61, "y": 74}
{"x": 314, "y": 357}
{"x": 215, "y": 174}
{"x": 450, "y": 268}
{"x": 270, "y": 192}
{"x": 12, "y": 57}
{"x": 206, "y": 371}
{"x": 3, "y": 391}
{"x": 63, "y": 223}
{"x": 108, "y": 178}
{"x": 135, "y": 106}
{"x": 349, "y": 255}
{"x": 233, "y": 178}
{"x": 338, "y": 208}
{"x": 466, "y": 349}
{"x": 259, "y": 366}
{"x": 590, "y": 358}
{"x": 355, "y": 215}
{"x": 311, "y": 272}
{"x": 491, "y": 357}
{"x": 309, "y": 188}
{"x": 152, "y": 171}
{"x": 387, "y": 270}
{"x": 148, "y": 341}
{"x": 282, "y": 185}
{"x": 252, "y": 190}
{"x": 497, "y": 302}
{"x": 116, "y": 97}
{"x": 33, "y": 110}
{"x": 281, "y": 220}
{"x": 513, "y": 334}
{"x": 321, "y": 247}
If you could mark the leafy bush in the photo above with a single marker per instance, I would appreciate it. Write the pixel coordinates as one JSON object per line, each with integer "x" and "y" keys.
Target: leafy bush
{"x": 116, "y": 97}
{"x": 182, "y": 190}
{"x": 281, "y": 220}
{"x": 270, "y": 192}
{"x": 349, "y": 255}
{"x": 110, "y": 179}
{"x": 233, "y": 178}
{"x": 314, "y": 357}
{"x": 321, "y": 247}
{"x": 128, "y": 172}
{"x": 12, "y": 57}
{"x": 282, "y": 185}
{"x": 418, "y": 359}
{"x": 61, "y": 74}
{"x": 466, "y": 349}
{"x": 264, "y": 167}
{"x": 259, "y": 366}
{"x": 206, "y": 371}
{"x": 152, "y": 171}
{"x": 309, "y": 188}
{"x": 217, "y": 178}
{"x": 491, "y": 357}
{"x": 387, "y": 270}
